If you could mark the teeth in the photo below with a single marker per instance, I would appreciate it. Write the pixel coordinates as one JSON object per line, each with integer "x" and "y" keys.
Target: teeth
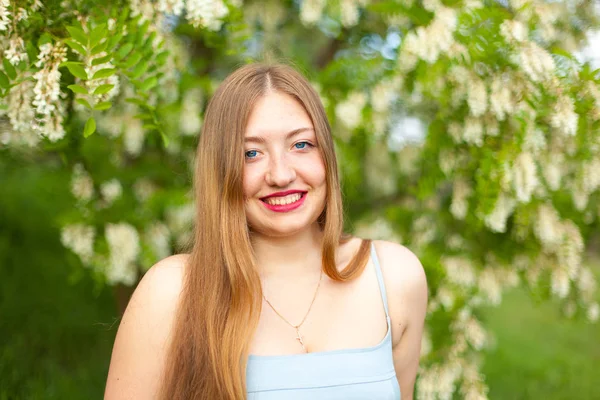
{"x": 280, "y": 201}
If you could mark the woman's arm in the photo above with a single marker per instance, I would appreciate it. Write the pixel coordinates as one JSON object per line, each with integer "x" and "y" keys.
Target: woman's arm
{"x": 407, "y": 299}
{"x": 143, "y": 337}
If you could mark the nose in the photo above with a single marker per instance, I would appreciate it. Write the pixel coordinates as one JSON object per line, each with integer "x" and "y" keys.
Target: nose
{"x": 280, "y": 172}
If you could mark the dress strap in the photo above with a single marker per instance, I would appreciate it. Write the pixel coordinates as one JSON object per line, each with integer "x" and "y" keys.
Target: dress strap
{"x": 380, "y": 279}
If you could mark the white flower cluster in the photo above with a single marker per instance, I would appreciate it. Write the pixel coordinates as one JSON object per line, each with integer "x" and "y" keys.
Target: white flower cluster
{"x": 503, "y": 209}
{"x": 459, "y": 271}
{"x": 349, "y": 111}
{"x": 439, "y": 381}
{"x": 460, "y": 194}
{"x": 21, "y": 114}
{"x": 111, "y": 190}
{"x": 444, "y": 296}
{"x": 423, "y": 231}
{"x": 429, "y": 42}
{"x": 384, "y": 94}
{"x": 473, "y": 131}
{"x": 124, "y": 246}
{"x": 379, "y": 229}
{"x": 553, "y": 168}
{"x": 133, "y": 137}
{"x": 174, "y": 7}
{"x": 565, "y": 118}
{"x": 570, "y": 252}
{"x": 513, "y": 31}
{"x": 547, "y": 227}
{"x": 536, "y": 62}
{"x": 490, "y": 286}
{"x": 524, "y": 176}
{"x": 144, "y": 8}
{"x": 48, "y": 107}
{"x": 143, "y": 189}
{"x": 502, "y": 102}
{"x": 180, "y": 220}
{"x": 311, "y": 11}
{"x": 82, "y": 186}
{"x": 590, "y": 175}
{"x": 16, "y": 51}
{"x": 269, "y": 14}
{"x": 208, "y": 14}
{"x": 190, "y": 120}
{"x": 548, "y": 15}
{"x": 158, "y": 236}
{"x": 586, "y": 283}
{"x": 349, "y": 10}
{"x": 79, "y": 238}
{"x": 559, "y": 281}
{"x": 477, "y": 97}
{"x": 4, "y": 14}
{"x": 593, "y": 312}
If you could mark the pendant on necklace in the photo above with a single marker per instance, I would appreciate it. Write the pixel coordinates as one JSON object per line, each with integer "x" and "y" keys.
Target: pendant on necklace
{"x": 299, "y": 338}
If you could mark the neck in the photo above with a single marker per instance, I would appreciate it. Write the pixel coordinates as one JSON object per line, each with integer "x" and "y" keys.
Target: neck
{"x": 289, "y": 257}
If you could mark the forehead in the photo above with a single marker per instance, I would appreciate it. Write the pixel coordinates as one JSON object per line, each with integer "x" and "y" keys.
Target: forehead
{"x": 276, "y": 114}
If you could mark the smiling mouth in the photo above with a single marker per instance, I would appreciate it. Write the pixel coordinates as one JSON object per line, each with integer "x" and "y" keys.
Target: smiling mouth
{"x": 284, "y": 200}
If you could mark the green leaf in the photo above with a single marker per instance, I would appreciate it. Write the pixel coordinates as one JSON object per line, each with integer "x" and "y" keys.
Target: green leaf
{"x": 143, "y": 116}
{"x": 76, "y": 46}
{"x": 45, "y": 38}
{"x": 164, "y": 138}
{"x": 90, "y": 127}
{"x": 76, "y": 70}
{"x": 149, "y": 83}
{"x": 132, "y": 60}
{"x": 78, "y": 35}
{"x": 102, "y": 89}
{"x": 148, "y": 43}
{"x": 150, "y": 126}
{"x": 78, "y": 89}
{"x": 133, "y": 100}
{"x": 124, "y": 50}
{"x": 4, "y": 82}
{"x": 105, "y": 105}
{"x": 114, "y": 40}
{"x": 140, "y": 69}
{"x": 99, "y": 48}
{"x": 97, "y": 34}
{"x": 9, "y": 69}
{"x": 161, "y": 58}
{"x": 104, "y": 73}
{"x": 102, "y": 60}
{"x": 84, "y": 103}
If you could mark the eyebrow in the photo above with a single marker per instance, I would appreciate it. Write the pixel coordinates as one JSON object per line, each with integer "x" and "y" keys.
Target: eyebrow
{"x": 260, "y": 139}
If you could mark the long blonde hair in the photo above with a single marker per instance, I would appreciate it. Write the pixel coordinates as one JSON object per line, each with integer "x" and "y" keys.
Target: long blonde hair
{"x": 220, "y": 303}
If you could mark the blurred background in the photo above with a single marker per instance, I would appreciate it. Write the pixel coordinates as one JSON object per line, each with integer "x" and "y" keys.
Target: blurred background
{"x": 468, "y": 130}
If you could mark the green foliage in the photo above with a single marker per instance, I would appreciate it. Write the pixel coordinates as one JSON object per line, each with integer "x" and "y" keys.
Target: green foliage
{"x": 133, "y": 84}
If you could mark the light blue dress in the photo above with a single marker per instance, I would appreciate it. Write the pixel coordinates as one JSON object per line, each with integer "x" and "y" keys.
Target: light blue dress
{"x": 351, "y": 374}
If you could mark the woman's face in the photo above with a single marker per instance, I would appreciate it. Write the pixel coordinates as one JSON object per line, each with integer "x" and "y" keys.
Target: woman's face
{"x": 284, "y": 173}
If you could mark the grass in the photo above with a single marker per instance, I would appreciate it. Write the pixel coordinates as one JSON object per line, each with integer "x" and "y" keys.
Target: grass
{"x": 539, "y": 354}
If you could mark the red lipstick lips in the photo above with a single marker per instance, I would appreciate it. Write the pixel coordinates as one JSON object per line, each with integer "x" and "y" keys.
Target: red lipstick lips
{"x": 284, "y": 207}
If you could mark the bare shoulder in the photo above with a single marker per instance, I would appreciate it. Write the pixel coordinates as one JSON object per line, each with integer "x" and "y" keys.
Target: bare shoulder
{"x": 400, "y": 266}
{"x": 406, "y": 284}
{"x": 143, "y": 336}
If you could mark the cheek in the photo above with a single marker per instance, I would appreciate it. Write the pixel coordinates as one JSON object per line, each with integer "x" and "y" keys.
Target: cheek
{"x": 252, "y": 180}
{"x": 315, "y": 171}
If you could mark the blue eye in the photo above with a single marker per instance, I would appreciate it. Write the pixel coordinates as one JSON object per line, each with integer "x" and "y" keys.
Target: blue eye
{"x": 251, "y": 154}
{"x": 301, "y": 145}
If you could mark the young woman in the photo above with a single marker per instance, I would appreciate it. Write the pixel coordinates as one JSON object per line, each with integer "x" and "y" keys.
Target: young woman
{"x": 273, "y": 302}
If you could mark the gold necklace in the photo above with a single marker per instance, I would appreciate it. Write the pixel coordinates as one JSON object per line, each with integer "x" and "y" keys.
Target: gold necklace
{"x": 297, "y": 327}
